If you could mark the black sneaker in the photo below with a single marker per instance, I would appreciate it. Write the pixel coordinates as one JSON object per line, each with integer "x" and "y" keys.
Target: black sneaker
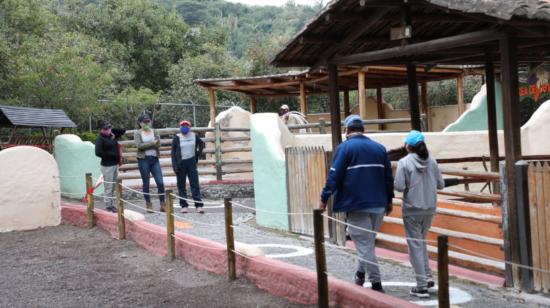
{"x": 111, "y": 209}
{"x": 377, "y": 286}
{"x": 431, "y": 284}
{"x": 359, "y": 278}
{"x": 420, "y": 292}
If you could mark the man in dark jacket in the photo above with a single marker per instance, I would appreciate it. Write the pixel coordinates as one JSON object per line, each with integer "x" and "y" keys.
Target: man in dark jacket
{"x": 361, "y": 182}
{"x": 106, "y": 147}
{"x": 187, "y": 147}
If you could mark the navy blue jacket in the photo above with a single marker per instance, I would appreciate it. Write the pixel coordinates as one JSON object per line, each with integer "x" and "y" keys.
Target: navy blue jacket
{"x": 360, "y": 176}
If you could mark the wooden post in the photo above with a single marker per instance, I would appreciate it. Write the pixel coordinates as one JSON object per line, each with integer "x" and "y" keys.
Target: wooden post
{"x": 362, "y": 95}
{"x": 347, "y": 110}
{"x": 303, "y": 99}
{"x": 512, "y": 141}
{"x": 443, "y": 271}
{"x": 170, "y": 240}
{"x": 380, "y": 107}
{"x": 424, "y": 102}
{"x": 252, "y": 104}
{"x": 322, "y": 124}
{"x": 460, "y": 95}
{"x": 413, "y": 97}
{"x": 320, "y": 258}
{"x": 120, "y": 211}
{"x": 90, "y": 201}
{"x": 218, "y": 145}
{"x": 524, "y": 226}
{"x": 334, "y": 97}
{"x": 230, "y": 240}
{"x": 492, "y": 117}
{"x": 212, "y": 98}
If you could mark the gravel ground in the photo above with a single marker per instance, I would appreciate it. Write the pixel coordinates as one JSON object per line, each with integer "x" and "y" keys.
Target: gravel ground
{"x": 397, "y": 278}
{"x": 67, "y": 266}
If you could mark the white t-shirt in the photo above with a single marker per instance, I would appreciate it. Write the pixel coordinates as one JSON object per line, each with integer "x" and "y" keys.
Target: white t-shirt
{"x": 187, "y": 145}
{"x": 146, "y": 138}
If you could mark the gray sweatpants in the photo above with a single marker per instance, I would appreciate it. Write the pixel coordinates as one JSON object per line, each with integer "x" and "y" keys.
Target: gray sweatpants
{"x": 110, "y": 175}
{"x": 416, "y": 227}
{"x": 365, "y": 242}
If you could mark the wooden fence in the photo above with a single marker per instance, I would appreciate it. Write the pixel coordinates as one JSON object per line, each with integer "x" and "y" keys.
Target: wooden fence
{"x": 539, "y": 213}
{"x": 474, "y": 226}
{"x": 323, "y": 127}
{"x": 219, "y": 142}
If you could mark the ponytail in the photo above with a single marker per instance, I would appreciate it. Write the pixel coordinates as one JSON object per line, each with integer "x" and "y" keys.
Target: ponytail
{"x": 421, "y": 150}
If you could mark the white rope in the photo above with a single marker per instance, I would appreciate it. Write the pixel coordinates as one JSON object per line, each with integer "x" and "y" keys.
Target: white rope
{"x": 203, "y": 201}
{"x": 303, "y": 269}
{"x": 140, "y": 207}
{"x": 375, "y": 232}
{"x": 266, "y": 211}
{"x": 196, "y": 222}
{"x": 140, "y": 192}
{"x": 370, "y": 262}
{"x": 498, "y": 260}
{"x": 177, "y": 238}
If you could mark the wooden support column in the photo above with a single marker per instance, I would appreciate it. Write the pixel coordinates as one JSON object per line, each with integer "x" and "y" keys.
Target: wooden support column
{"x": 303, "y": 98}
{"x": 334, "y": 99}
{"x": 347, "y": 111}
{"x": 424, "y": 102}
{"x": 492, "y": 116}
{"x": 512, "y": 145}
{"x": 413, "y": 97}
{"x": 252, "y": 104}
{"x": 380, "y": 107}
{"x": 460, "y": 95}
{"x": 362, "y": 95}
{"x": 212, "y": 97}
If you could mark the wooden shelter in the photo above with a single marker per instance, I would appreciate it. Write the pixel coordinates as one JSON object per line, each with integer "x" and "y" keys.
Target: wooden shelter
{"x": 350, "y": 78}
{"x": 502, "y": 35}
{"x": 24, "y": 117}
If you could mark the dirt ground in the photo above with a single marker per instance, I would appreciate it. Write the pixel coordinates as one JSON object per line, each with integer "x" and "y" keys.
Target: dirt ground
{"x": 70, "y": 267}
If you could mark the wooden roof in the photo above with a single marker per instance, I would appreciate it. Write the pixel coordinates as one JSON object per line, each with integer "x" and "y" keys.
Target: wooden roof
{"x": 349, "y": 32}
{"x": 33, "y": 117}
{"x": 316, "y": 82}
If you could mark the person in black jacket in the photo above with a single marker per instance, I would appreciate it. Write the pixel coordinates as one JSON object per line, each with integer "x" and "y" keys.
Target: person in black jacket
{"x": 106, "y": 147}
{"x": 187, "y": 147}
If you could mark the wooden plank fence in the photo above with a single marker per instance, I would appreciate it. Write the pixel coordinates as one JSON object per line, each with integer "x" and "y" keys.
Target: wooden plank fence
{"x": 539, "y": 213}
{"x": 216, "y": 145}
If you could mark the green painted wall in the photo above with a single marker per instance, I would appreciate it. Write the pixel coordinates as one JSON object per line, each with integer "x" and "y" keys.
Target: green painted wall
{"x": 475, "y": 118}
{"x": 75, "y": 158}
{"x": 269, "y": 171}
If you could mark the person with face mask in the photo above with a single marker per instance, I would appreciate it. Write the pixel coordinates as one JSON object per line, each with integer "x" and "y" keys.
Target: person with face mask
{"x": 187, "y": 147}
{"x": 148, "y": 143}
{"x": 361, "y": 182}
{"x": 106, "y": 147}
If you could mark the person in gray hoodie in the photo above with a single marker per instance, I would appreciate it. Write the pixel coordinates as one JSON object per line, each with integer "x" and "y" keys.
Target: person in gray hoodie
{"x": 418, "y": 178}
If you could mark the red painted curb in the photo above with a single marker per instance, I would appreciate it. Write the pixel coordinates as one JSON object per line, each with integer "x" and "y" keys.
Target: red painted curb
{"x": 278, "y": 278}
{"x": 464, "y": 273}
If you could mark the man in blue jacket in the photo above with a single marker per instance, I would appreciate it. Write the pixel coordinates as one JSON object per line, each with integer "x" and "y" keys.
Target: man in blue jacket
{"x": 361, "y": 182}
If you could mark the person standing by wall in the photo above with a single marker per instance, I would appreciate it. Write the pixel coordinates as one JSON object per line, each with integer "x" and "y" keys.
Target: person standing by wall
{"x": 361, "y": 182}
{"x": 106, "y": 147}
{"x": 418, "y": 178}
{"x": 187, "y": 147}
{"x": 148, "y": 143}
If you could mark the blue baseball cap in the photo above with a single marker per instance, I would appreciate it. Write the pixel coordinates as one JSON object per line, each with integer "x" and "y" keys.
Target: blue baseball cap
{"x": 414, "y": 137}
{"x": 353, "y": 121}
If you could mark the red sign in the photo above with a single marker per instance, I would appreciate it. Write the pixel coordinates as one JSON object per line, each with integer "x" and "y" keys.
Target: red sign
{"x": 534, "y": 90}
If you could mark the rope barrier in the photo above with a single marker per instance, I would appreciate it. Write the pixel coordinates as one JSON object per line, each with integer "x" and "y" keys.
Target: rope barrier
{"x": 203, "y": 201}
{"x": 267, "y": 211}
{"x": 194, "y": 244}
{"x": 376, "y": 232}
{"x": 140, "y": 207}
{"x": 141, "y": 192}
{"x": 196, "y": 222}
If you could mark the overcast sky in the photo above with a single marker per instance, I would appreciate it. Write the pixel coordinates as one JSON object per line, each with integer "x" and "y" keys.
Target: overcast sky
{"x": 274, "y": 2}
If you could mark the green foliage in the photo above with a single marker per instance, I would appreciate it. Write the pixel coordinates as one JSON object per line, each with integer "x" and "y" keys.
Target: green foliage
{"x": 88, "y": 136}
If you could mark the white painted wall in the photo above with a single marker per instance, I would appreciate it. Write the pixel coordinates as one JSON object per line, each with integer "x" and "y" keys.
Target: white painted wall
{"x": 29, "y": 190}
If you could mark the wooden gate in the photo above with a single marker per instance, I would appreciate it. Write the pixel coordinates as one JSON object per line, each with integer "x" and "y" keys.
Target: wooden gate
{"x": 306, "y": 170}
{"x": 539, "y": 213}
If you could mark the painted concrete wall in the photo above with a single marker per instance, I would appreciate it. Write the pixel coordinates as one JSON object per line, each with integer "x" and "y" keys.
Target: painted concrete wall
{"x": 29, "y": 192}
{"x": 75, "y": 158}
{"x": 476, "y": 117}
{"x": 270, "y": 136}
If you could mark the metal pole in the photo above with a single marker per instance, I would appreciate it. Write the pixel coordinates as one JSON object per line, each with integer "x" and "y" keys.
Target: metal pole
{"x": 443, "y": 271}
{"x": 320, "y": 258}
{"x": 230, "y": 240}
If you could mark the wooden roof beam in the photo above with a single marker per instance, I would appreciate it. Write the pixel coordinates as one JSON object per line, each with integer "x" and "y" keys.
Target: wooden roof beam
{"x": 446, "y": 43}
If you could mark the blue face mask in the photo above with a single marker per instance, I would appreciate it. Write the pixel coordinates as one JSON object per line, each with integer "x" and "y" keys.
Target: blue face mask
{"x": 184, "y": 130}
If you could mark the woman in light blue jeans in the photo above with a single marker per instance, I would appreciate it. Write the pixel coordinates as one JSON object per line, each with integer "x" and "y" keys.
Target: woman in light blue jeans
{"x": 148, "y": 144}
